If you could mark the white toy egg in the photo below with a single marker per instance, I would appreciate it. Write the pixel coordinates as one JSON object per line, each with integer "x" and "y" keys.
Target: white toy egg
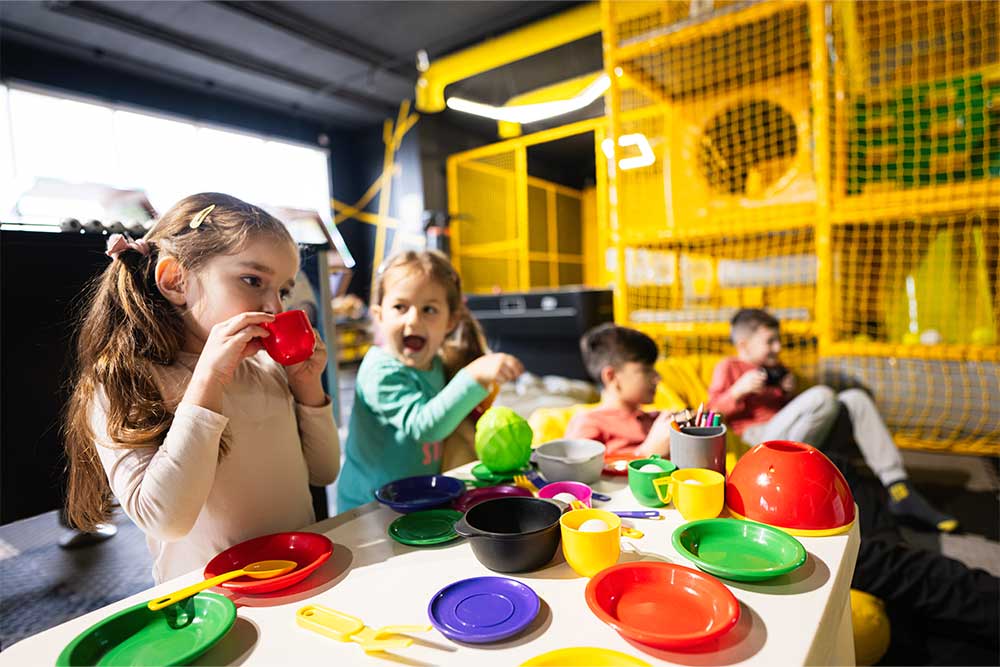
{"x": 693, "y": 482}
{"x": 651, "y": 467}
{"x": 565, "y": 497}
{"x": 593, "y": 526}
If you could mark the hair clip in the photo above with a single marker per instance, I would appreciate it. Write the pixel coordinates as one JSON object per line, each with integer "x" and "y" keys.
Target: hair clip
{"x": 201, "y": 216}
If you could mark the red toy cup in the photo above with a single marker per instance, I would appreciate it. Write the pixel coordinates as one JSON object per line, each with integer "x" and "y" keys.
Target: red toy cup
{"x": 291, "y": 340}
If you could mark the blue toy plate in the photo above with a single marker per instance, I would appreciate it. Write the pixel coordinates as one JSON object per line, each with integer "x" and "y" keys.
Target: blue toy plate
{"x": 483, "y": 609}
{"x": 425, "y": 492}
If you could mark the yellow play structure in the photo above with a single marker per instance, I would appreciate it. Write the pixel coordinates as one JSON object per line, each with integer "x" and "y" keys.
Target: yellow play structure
{"x": 837, "y": 163}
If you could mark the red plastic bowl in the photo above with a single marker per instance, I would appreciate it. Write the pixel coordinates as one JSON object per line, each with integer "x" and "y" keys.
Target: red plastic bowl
{"x": 662, "y": 605}
{"x": 792, "y": 486}
{"x": 292, "y": 339}
{"x": 308, "y": 550}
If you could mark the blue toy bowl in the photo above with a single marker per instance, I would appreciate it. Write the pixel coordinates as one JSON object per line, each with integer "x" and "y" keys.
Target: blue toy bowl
{"x": 412, "y": 494}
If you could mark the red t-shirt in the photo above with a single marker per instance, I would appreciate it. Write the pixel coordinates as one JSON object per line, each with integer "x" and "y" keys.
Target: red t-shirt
{"x": 751, "y": 409}
{"x": 620, "y": 430}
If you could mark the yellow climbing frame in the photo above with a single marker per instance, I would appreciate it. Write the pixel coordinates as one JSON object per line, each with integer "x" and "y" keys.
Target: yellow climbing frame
{"x": 512, "y": 231}
{"x": 837, "y": 163}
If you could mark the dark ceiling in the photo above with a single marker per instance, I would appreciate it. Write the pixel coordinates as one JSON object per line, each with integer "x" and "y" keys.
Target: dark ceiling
{"x": 346, "y": 64}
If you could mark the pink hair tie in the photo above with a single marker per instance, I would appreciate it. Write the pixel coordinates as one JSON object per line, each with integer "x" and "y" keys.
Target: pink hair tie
{"x": 119, "y": 243}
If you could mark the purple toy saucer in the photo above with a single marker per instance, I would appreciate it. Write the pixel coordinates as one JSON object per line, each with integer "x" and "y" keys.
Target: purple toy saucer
{"x": 473, "y": 497}
{"x": 483, "y": 609}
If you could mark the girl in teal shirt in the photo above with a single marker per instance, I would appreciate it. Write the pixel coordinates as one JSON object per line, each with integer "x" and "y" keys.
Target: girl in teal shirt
{"x": 403, "y": 407}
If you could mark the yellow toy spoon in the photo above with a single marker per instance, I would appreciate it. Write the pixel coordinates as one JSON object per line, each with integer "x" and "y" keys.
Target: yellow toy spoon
{"x": 346, "y": 628}
{"x": 264, "y": 569}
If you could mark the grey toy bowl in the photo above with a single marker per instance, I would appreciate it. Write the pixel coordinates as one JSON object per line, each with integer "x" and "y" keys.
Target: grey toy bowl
{"x": 575, "y": 460}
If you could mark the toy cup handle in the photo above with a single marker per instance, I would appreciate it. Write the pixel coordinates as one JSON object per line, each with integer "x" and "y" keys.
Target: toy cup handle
{"x": 661, "y": 482}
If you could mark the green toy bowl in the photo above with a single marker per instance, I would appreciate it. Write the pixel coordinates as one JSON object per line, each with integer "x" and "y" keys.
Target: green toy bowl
{"x": 175, "y": 635}
{"x": 739, "y": 550}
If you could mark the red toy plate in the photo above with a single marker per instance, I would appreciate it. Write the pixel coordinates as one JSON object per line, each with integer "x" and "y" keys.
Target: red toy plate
{"x": 308, "y": 550}
{"x": 662, "y": 605}
{"x": 617, "y": 466}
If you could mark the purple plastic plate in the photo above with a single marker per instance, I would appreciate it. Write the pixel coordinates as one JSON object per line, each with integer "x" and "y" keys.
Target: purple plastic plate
{"x": 475, "y": 496}
{"x": 483, "y": 609}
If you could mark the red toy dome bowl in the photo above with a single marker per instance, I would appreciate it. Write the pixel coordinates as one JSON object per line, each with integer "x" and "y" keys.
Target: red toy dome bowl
{"x": 792, "y": 486}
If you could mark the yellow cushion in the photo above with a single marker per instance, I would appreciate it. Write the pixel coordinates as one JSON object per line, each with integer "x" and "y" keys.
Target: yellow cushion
{"x": 548, "y": 424}
{"x": 871, "y": 628}
{"x": 684, "y": 380}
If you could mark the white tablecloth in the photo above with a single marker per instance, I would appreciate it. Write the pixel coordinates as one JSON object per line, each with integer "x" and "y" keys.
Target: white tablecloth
{"x": 800, "y": 618}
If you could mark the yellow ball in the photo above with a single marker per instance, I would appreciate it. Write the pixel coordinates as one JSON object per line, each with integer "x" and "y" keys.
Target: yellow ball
{"x": 871, "y": 628}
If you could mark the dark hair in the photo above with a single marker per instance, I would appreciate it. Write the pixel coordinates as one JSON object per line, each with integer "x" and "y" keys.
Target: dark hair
{"x": 467, "y": 342}
{"x": 615, "y": 346}
{"x": 128, "y": 326}
{"x": 746, "y": 321}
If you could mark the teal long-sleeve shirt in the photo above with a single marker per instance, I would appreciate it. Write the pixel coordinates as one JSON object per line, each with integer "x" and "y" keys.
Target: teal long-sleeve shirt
{"x": 400, "y": 417}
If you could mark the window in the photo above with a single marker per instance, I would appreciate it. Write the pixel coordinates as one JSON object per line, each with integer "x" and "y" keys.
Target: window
{"x": 48, "y": 138}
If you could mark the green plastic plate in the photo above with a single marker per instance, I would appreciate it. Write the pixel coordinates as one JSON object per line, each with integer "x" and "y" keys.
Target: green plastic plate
{"x": 484, "y": 474}
{"x": 137, "y": 636}
{"x": 739, "y": 550}
{"x": 421, "y": 529}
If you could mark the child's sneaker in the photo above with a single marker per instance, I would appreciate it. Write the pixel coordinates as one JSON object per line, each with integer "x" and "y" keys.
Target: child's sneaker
{"x": 906, "y": 501}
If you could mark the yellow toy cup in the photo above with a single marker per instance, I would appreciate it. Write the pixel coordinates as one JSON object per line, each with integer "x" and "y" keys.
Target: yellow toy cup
{"x": 589, "y": 552}
{"x": 697, "y": 493}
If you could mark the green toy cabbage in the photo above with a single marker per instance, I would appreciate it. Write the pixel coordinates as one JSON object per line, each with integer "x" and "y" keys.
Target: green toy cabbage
{"x": 503, "y": 440}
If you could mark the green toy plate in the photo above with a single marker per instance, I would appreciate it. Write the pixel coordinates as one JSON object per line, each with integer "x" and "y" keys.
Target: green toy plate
{"x": 484, "y": 474}
{"x": 175, "y": 635}
{"x": 421, "y": 529}
{"x": 739, "y": 550}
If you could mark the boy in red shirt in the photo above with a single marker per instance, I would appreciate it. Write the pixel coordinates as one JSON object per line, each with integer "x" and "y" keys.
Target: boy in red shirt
{"x": 621, "y": 361}
{"x": 757, "y": 396}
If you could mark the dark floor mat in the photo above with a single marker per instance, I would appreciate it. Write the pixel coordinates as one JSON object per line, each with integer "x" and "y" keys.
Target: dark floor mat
{"x": 42, "y": 585}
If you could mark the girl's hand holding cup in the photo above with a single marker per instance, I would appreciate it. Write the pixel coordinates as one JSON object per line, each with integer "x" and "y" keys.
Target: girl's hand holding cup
{"x": 496, "y": 368}
{"x": 229, "y": 343}
{"x": 305, "y": 378}
{"x": 296, "y": 345}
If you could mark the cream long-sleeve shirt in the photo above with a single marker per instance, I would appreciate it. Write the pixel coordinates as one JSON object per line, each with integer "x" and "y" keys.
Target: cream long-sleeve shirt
{"x": 190, "y": 504}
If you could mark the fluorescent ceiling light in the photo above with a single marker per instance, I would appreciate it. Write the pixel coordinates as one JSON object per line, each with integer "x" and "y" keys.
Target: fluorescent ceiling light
{"x": 532, "y": 113}
{"x": 639, "y": 140}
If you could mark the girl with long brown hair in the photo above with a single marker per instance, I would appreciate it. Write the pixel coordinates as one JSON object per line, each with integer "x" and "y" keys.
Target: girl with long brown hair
{"x": 204, "y": 440}
{"x": 427, "y": 377}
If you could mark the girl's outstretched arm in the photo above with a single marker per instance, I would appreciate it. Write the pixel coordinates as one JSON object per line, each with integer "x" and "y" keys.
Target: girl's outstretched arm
{"x": 399, "y": 399}
{"x": 163, "y": 489}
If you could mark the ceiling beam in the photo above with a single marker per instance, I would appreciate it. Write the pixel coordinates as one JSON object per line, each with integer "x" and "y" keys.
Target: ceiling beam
{"x": 278, "y": 16}
{"x": 529, "y": 40}
{"x": 104, "y": 15}
{"x": 31, "y": 38}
